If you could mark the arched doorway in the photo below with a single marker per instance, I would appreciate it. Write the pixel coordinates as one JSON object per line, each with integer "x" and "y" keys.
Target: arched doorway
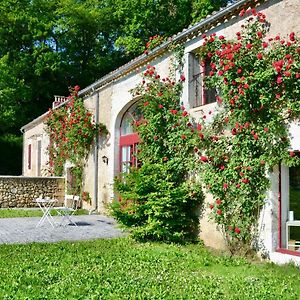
{"x": 129, "y": 139}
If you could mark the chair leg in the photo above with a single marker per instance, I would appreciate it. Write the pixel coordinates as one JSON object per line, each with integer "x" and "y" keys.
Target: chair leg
{"x": 71, "y": 221}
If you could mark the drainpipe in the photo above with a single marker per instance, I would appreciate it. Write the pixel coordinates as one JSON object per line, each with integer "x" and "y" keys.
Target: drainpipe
{"x": 23, "y": 149}
{"x": 96, "y": 156}
{"x": 279, "y": 207}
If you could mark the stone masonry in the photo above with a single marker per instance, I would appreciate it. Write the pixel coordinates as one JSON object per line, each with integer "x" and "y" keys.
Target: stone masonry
{"x": 20, "y": 191}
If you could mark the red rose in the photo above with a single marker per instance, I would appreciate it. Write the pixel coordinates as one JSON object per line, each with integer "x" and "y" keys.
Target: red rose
{"x": 237, "y": 230}
{"x": 211, "y": 206}
{"x": 218, "y": 201}
{"x": 185, "y": 113}
{"x": 183, "y": 136}
{"x": 219, "y": 212}
{"x": 245, "y": 180}
{"x": 225, "y": 186}
{"x": 219, "y": 100}
{"x": 76, "y": 88}
{"x": 160, "y": 106}
{"x": 203, "y": 158}
{"x": 292, "y": 153}
{"x": 259, "y": 56}
{"x": 292, "y": 36}
{"x": 146, "y": 103}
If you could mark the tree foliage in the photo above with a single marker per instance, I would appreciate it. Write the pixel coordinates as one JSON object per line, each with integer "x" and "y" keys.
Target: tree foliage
{"x": 46, "y": 46}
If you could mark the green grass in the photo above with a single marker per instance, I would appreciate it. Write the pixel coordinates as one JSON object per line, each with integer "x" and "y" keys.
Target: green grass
{"x": 123, "y": 269}
{"x": 19, "y": 213}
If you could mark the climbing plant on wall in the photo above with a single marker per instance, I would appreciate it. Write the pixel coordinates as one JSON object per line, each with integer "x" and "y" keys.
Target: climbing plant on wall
{"x": 161, "y": 199}
{"x": 71, "y": 132}
{"x": 258, "y": 79}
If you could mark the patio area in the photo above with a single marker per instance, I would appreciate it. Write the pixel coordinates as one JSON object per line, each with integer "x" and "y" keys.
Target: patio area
{"x": 24, "y": 230}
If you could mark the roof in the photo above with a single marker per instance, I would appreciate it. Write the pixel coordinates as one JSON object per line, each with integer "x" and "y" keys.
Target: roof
{"x": 224, "y": 14}
{"x": 211, "y": 21}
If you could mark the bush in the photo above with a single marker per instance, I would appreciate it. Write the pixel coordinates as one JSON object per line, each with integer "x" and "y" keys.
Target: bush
{"x": 157, "y": 205}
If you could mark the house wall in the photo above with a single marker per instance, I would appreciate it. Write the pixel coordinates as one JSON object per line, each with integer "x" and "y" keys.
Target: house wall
{"x": 282, "y": 16}
{"x": 31, "y": 137}
{"x": 114, "y": 99}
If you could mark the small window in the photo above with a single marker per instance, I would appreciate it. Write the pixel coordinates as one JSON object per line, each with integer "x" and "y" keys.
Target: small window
{"x": 29, "y": 157}
{"x": 198, "y": 94}
{"x": 39, "y": 157}
{"x": 208, "y": 94}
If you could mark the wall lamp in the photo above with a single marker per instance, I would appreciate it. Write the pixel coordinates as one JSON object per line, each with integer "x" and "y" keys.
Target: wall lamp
{"x": 105, "y": 159}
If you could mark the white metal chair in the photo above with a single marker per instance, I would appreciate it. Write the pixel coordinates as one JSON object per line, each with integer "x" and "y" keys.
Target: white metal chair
{"x": 71, "y": 204}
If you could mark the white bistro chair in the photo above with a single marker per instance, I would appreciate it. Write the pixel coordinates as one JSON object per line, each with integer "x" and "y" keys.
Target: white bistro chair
{"x": 71, "y": 204}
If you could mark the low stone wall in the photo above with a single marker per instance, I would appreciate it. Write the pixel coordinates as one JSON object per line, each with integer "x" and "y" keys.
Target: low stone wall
{"x": 20, "y": 191}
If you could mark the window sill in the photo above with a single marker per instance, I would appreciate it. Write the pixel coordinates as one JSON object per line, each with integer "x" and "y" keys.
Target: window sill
{"x": 289, "y": 252}
{"x": 204, "y": 107}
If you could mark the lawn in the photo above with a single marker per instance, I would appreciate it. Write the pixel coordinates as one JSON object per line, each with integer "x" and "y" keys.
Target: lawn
{"x": 124, "y": 269}
{"x": 20, "y": 213}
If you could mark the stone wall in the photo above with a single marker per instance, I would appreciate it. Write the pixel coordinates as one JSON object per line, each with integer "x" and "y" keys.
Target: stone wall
{"x": 20, "y": 191}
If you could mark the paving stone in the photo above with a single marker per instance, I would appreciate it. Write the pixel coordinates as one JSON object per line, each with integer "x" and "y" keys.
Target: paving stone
{"x": 24, "y": 230}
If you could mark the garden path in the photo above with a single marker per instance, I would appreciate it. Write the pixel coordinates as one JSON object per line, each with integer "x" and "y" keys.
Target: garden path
{"x": 23, "y": 230}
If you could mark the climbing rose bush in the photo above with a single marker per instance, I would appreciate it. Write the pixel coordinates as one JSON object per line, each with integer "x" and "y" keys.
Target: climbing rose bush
{"x": 72, "y": 132}
{"x": 161, "y": 200}
{"x": 258, "y": 79}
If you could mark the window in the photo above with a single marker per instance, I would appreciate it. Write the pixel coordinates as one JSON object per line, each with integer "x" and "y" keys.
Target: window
{"x": 29, "y": 157}
{"x": 39, "y": 157}
{"x": 198, "y": 93}
{"x": 129, "y": 139}
{"x": 290, "y": 208}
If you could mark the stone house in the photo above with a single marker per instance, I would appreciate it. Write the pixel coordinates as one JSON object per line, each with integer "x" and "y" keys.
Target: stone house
{"x": 111, "y": 102}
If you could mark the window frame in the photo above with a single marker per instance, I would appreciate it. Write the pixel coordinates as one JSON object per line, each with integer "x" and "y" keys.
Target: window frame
{"x": 198, "y": 94}
{"x": 282, "y": 224}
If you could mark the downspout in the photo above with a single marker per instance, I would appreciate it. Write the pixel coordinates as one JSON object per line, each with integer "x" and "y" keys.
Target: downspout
{"x": 96, "y": 155}
{"x": 279, "y": 207}
{"x": 23, "y": 150}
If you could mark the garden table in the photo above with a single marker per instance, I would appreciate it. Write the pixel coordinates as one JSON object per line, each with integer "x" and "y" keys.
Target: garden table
{"x": 45, "y": 205}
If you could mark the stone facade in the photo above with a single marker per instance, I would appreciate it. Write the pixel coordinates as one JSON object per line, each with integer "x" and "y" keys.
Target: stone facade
{"x": 21, "y": 191}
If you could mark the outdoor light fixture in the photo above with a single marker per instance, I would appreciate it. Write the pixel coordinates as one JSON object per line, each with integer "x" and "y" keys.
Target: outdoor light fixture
{"x": 105, "y": 159}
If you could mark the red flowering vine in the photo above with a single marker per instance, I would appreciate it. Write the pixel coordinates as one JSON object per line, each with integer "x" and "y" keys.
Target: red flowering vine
{"x": 259, "y": 84}
{"x": 72, "y": 132}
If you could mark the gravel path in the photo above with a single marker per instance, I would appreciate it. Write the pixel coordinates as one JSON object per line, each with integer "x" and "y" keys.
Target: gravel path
{"x": 23, "y": 230}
